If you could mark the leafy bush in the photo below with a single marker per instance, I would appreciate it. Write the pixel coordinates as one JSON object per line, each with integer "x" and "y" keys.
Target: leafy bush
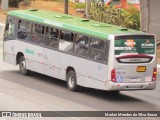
{"x": 134, "y": 17}
{"x": 26, "y": 2}
{"x": 14, "y": 3}
{"x": 58, "y": 0}
{"x": 80, "y": 5}
{"x": 129, "y": 18}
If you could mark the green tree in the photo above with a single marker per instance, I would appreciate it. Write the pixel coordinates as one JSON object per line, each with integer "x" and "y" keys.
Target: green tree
{"x": 14, "y": 3}
{"x": 126, "y": 18}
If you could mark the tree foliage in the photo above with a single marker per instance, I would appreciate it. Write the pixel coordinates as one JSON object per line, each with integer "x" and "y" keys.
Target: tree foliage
{"x": 129, "y": 18}
{"x": 13, "y": 3}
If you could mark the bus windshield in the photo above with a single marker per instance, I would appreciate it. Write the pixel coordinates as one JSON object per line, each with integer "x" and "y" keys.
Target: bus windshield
{"x": 134, "y": 49}
{"x": 137, "y": 46}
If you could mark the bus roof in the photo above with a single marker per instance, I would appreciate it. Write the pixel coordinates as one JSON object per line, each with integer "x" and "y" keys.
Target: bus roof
{"x": 76, "y": 24}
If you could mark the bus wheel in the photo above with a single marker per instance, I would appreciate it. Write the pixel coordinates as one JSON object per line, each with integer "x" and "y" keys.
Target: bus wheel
{"x": 72, "y": 81}
{"x": 22, "y": 66}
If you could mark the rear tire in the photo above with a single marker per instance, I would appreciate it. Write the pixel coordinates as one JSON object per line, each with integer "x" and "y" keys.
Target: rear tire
{"x": 22, "y": 66}
{"x": 72, "y": 81}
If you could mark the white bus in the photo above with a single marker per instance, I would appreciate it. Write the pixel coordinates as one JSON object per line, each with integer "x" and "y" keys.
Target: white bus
{"x": 84, "y": 53}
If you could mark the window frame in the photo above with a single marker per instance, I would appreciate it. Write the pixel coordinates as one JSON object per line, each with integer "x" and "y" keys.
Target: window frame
{"x": 49, "y": 37}
{"x": 28, "y": 30}
{"x": 98, "y": 50}
{"x": 34, "y": 34}
{"x": 5, "y": 34}
{"x": 106, "y": 49}
{"x": 81, "y": 46}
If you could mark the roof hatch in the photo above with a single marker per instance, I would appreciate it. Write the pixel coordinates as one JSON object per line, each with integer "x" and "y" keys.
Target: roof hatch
{"x": 33, "y": 9}
{"x": 123, "y": 29}
{"x": 84, "y": 20}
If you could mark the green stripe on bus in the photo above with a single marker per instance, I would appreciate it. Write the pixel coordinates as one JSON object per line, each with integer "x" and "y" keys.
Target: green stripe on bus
{"x": 75, "y": 24}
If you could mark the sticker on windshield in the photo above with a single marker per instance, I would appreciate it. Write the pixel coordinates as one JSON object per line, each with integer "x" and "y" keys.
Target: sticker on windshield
{"x": 148, "y": 44}
{"x": 130, "y": 43}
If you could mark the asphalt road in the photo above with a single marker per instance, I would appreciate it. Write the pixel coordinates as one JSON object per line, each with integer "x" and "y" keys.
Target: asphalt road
{"x": 42, "y": 93}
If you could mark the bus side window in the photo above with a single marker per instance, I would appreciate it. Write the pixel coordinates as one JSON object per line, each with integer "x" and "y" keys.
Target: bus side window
{"x": 67, "y": 36}
{"x": 9, "y": 29}
{"x": 96, "y": 50}
{"x": 51, "y": 39}
{"x": 24, "y": 29}
{"x": 37, "y": 34}
{"x": 81, "y": 45}
{"x": 66, "y": 41}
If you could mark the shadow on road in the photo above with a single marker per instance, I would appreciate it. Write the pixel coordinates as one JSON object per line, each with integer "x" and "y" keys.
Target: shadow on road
{"x": 87, "y": 97}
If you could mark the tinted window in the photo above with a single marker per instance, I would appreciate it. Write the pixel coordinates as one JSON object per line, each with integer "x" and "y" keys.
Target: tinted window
{"x": 96, "y": 50}
{"x": 67, "y": 36}
{"x": 10, "y": 28}
{"x": 24, "y": 28}
{"x": 66, "y": 41}
{"x": 81, "y": 45}
{"x": 51, "y": 39}
{"x": 134, "y": 46}
{"x": 37, "y": 34}
{"x": 37, "y": 28}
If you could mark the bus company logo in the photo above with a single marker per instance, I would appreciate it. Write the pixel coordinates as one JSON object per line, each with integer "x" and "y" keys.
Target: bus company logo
{"x": 147, "y": 44}
{"x": 130, "y": 43}
{"x": 29, "y": 51}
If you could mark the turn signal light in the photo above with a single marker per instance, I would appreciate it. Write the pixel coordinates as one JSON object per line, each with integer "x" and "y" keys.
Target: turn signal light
{"x": 154, "y": 76}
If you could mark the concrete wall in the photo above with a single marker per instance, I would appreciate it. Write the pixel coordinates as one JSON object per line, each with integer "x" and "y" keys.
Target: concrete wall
{"x": 150, "y": 17}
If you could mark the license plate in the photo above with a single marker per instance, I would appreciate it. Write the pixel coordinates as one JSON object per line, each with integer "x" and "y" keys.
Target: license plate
{"x": 135, "y": 79}
{"x": 141, "y": 69}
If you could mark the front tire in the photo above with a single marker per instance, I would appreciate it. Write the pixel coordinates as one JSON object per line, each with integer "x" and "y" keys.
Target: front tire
{"x": 22, "y": 66}
{"x": 72, "y": 81}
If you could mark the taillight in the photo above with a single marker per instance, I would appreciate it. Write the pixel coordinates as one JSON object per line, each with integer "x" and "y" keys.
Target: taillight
{"x": 113, "y": 75}
{"x": 154, "y": 74}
